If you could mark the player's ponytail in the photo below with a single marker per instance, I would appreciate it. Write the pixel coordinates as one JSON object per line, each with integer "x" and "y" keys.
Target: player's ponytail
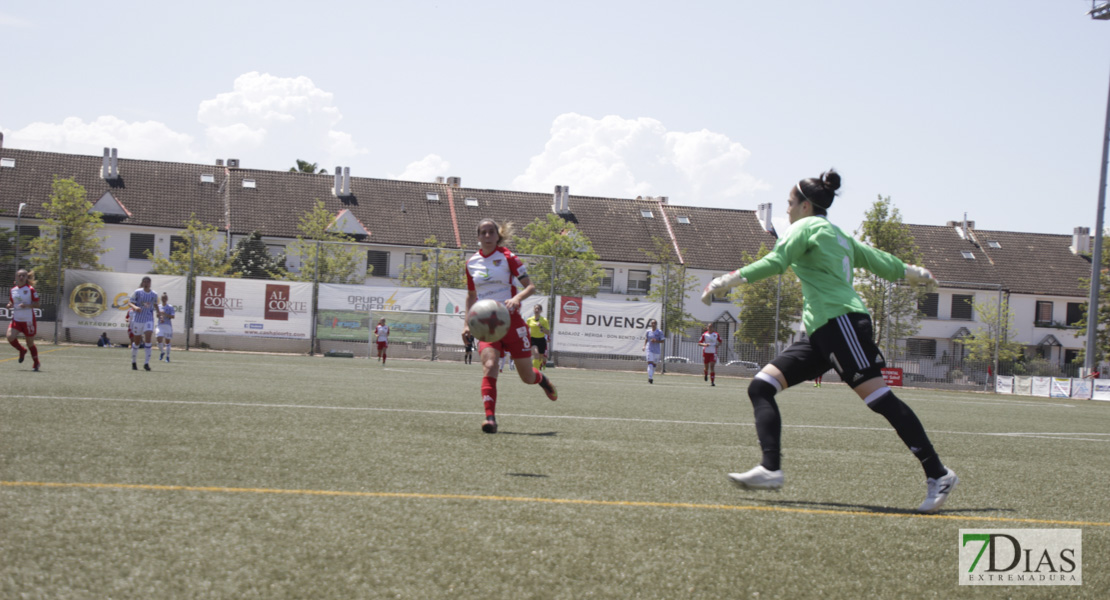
{"x": 819, "y": 191}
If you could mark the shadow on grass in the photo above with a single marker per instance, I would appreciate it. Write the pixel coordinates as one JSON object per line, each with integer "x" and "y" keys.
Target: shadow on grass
{"x": 544, "y": 434}
{"x": 876, "y": 509}
{"x": 538, "y": 475}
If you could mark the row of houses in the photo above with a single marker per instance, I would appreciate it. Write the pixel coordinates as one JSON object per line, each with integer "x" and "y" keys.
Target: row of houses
{"x": 146, "y": 203}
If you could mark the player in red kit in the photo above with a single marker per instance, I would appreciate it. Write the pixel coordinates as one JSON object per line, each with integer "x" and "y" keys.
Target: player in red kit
{"x": 22, "y": 301}
{"x": 492, "y": 273}
{"x": 382, "y": 335}
{"x": 709, "y": 342}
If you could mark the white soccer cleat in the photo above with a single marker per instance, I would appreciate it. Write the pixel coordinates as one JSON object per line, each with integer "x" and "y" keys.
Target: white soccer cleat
{"x": 937, "y": 492}
{"x": 759, "y": 478}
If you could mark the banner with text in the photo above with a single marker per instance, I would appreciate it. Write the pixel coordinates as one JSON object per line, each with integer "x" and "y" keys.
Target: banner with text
{"x": 597, "y": 326}
{"x": 99, "y": 299}
{"x": 254, "y": 308}
{"x": 344, "y": 311}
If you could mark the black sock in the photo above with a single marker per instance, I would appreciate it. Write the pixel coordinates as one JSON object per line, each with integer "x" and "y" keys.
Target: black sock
{"x": 768, "y": 422}
{"x": 912, "y": 432}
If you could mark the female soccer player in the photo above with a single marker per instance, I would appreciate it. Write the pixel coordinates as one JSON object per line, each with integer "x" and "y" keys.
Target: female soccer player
{"x": 839, "y": 333}
{"x": 538, "y": 328}
{"x": 653, "y": 347}
{"x": 23, "y": 300}
{"x": 382, "y": 331}
{"x": 709, "y": 342}
{"x": 163, "y": 332}
{"x": 490, "y": 273}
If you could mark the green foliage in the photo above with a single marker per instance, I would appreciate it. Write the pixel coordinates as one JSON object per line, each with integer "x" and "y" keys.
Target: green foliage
{"x": 893, "y": 307}
{"x": 671, "y": 287}
{"x": 449, "y": 271}
{"x": 254, "y": 261}
{"x": 576, "y": 270}
{"x": 327, "y": 257}
{"x": 202, "y": 253}
{"x": 757, "y": 301}
{"x": 303, "y": 166}
{"x": 996, "y": 322}
{"x": 69, "y": 224}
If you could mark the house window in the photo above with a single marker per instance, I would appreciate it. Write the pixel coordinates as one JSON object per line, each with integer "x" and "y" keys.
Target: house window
{"x": 929, "y": 305}
{"x": 961, "y": 306}
{"x": 683, "y": 220}
{"x": 1043, "y": 316}
{"x": 432, "y": 197}
{"x": 639, "y": 282}
{"x": 471, "y": 202}
{"x": 141, "y": 244}
{"x": 606, "y": 281}
{"x": 647, "y": 214}
{"x": 1070, "y": 356}
{"x": 249, "y": 183}
{"x": 379, "y": 261}
{"x": 276, "y": 251}
{"x": 413, "y": 259}
{"x": 921, "y": 348}
{"x": 177, "y": 241}
{"x": 1075, "y": 314}
{"x": 968, "y": 254}
{"x": 207, "y": 178}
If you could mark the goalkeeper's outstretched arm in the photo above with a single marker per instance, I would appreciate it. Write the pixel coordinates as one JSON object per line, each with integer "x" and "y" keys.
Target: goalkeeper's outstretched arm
{"x": 720, "y": 286}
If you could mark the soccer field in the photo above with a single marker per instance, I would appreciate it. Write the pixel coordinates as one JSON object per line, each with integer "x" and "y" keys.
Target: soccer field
{"x": 256, "y": 476}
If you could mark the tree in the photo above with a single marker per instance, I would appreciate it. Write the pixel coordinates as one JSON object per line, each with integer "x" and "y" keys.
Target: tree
{"x": 70, "y": 225}
{"x": 576, "y": 270}
{"x": 326, "y": 256}
{"x": 671, "y": 287}
{"x": 1102, "y": 319}
{"x": 996, "y": 322}
{"x": 760, "y": 302}
{"x": 303, "y": 166}
{"x": 449, "y": 272}
{"x": 202, "y": 253}
{"x": 253, "y": 260}
{"x": 894, "y": 308}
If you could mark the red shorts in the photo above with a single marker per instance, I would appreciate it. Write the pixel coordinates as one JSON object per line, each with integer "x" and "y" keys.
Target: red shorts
{"x": 516, "y": 342}
{"x": 382, "y": 346}
{"x": 708, "y": 358}
{"x": 29, "y": 328}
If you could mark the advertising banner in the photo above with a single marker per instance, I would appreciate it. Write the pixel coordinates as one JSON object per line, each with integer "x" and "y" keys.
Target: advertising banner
{"x": 1004, "y": 384}
{"x": 1061, "y": 387}
{"x": 452, "y": 302}
{"x": 99, "y": 299}
{"x": 601, "y": 326}
{"x": 1023, "y": 385}
{"x": 350, "y": 312}
{"x": 1042, "y": 386}
{"x": 1081, "y": 388}
{"x": 892, "y": 375}
{"x": 253, "y": 308}
{"x": 1101, "y": 390}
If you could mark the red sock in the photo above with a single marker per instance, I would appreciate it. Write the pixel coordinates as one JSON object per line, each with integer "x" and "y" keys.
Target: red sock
{"x": 539, "y": 376}
{"x": 15, "y": 344}
{"x": 34, "y": 352}
{"x": 713, "y": 377}
{"x": 383, "y": 358}
{"x": 489, "y": 394}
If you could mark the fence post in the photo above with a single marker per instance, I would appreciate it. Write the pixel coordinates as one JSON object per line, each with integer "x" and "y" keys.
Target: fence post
{"x": 190, "y": 288}
{"x": 435, "y": 301}
{"x": 315, "y": 291}
{"x": 61, "y": 273}
{"x": 551, "y": 311}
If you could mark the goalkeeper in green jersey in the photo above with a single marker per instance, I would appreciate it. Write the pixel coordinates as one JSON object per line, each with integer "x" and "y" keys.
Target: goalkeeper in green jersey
{"x": 839, "y": 333}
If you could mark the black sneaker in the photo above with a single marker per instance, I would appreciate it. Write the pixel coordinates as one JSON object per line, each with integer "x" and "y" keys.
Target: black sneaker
{"x": 714, "y": 384}
{"x": 146, "y": 366}
{"x": 134, "y": 367}
{"x": 707, "y": 376}
{"x": 490, "y": 426}
{"x": 650, "y": 381}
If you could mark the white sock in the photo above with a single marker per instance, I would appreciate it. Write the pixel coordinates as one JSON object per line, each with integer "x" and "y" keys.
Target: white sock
{"x": 651, "y": 371}
{"x": 167, "y": 349}
{"x": 147, "y": 346}
{"x": 134, "y": 352}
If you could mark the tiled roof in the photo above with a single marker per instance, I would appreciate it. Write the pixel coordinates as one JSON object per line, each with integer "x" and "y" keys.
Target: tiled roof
{"x": 716, "y": 238}
{"x": 158, "y": 194}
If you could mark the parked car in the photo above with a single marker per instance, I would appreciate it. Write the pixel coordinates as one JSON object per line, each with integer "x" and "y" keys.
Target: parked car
{"x": 747, "y": 364}
{"x": 676, "y": 359}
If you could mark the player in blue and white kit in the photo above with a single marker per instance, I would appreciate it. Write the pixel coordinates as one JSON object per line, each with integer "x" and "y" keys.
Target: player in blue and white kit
{"x": 653, "y": 347}
{"x": 144, "y": 303}
{"x": 163, "y": 333}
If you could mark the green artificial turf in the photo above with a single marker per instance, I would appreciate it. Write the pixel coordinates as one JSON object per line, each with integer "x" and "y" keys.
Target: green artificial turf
{"x": 257, "y": 476}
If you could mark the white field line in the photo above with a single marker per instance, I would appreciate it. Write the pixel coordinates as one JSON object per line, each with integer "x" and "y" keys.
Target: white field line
{"x": 1052, "y": 435}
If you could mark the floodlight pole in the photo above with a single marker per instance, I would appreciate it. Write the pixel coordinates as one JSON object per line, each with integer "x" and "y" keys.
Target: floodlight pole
{"x": 1100, "y": 12}
{"x": 18, "y": 218}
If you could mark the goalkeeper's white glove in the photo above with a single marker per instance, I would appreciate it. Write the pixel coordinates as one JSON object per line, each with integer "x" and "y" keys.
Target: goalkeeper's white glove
{"x": 720, "y": 286}
{"x": 916, "y": 275}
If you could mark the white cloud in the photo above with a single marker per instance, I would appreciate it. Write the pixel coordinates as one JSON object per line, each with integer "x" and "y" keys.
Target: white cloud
{"x": 289, "y": 114}
{"x": 623, "y": 158}
{"x": 146, "y": 139}
{"x": 7, "y": 20}
{"x": 425, "y": 169}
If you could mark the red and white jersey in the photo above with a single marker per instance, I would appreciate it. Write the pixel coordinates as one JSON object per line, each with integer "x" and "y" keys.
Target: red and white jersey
{"x": 23, "y": 294}
{"x": 711, "y": 338}
{"x": 383, "y": 333}
{"x": 494, "y": 276}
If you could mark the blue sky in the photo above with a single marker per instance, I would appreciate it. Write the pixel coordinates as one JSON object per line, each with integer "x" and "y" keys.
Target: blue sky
{"x": 992, "y": 108}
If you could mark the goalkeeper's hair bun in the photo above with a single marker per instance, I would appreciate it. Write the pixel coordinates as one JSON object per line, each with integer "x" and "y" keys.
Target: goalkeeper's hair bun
{"x": 819, "y": 191}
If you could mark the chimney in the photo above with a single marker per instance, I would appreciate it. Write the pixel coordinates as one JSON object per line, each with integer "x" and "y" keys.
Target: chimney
{"x": 346, "y": 181}
{"x": 663, "y": 199}
{"x": 1081, "y": 240}
{"x": 439, "y": 179}
{"x": 233, "y": 163}
{"x": 560, "y": 204}
{"x": 115, "y": 164}
{"x": 338, "y": 188}
{"x": 106, "y": 167}
{"x": 454, "y": 182}
{"x": 219, "y": 162}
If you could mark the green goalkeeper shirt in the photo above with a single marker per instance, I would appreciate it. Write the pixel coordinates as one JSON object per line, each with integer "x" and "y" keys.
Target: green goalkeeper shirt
{"x": 823, "y": 258}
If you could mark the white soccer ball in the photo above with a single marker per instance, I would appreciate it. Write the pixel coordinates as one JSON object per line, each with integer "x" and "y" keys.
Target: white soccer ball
{"x": 488, "y": 320}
